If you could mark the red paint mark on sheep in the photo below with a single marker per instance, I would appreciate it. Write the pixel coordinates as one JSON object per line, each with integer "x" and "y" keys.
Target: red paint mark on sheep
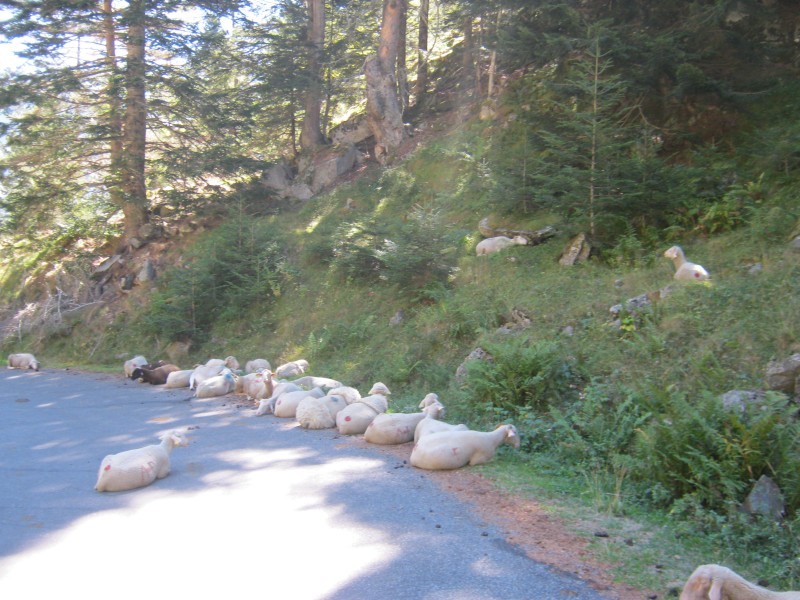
{"x": 697, "y": 275}
{"x": 455, "y": 451}
{"x": 347, "y": 418}
{"x": 108, "y": 468}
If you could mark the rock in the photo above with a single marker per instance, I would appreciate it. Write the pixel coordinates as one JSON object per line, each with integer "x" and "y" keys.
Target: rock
{"x": 740, "y": 399}
{"x": 577, "y": 250}
{"x": 147, "y": 272}
{"x": 782, "y": 376}
{"x": 353, "y": 131}
{"x": 397, "y": 318}
{"x": 477, "y": 354}
{"x": 795, "y": 243}
{"x": 178, "y": 351}
{"x": 278, "y": 177}
{"x": 335, "y": 163}
{"x": 765, "y": 499}
{"x": 300, "y": 191}
{"x": 106, "y": 265}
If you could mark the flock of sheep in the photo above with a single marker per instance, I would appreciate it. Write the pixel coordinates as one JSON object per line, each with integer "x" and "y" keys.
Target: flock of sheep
{"x": 315, "y": 403}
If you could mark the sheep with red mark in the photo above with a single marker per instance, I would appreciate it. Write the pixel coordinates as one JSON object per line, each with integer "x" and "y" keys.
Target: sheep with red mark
{"x": 23, "y": 360}
{"x": 267, "y": 405}
{"x": 430, "y": 425}
{"x": 129, "y": 365}
{"x": 139, "y": 467}
{"x": 456, "y": 449}
{"x": 685, "y": 270}
{"x": 715, "y": 582}
{"x": 356, "y": 417}
{"x": 399, "y": 428}
{"x": 286, "y": 404}
{"x": 320, "y": 413}
{"x": 256, "y": 386}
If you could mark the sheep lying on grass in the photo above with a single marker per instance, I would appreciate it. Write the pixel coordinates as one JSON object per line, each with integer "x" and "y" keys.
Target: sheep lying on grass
{"x": 130, "y": 364}
{"x": 356, "y": 417}
{"x": 257, "y": 364}
{"x": 498, "y": 243}
{"x": 137, "y": 468}
{"x": 179, "y": 379}
{"x": 23, "y": 361}
{"x": 399, "y": 428}
{"x": 684, "y": 269}
{"x": 286, "y": 404}
{"x": 456, "y": 449}
{"x": 219, "y": 385}
{"x": 715, "y": 582}
{"x": 155, "y": 376}
{"x": 320, "y": 413}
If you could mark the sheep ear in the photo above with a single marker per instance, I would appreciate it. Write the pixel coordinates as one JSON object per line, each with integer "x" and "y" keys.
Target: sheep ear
{"x": 511, "y": 432}
{"x": 715, "y": 593}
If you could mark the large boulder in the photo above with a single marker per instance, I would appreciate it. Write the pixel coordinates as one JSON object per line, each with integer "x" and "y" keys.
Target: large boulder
{"x": 782, "y": 376}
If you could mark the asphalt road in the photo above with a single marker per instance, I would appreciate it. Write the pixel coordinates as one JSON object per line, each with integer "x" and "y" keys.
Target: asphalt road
{"x": 255, "y": 507}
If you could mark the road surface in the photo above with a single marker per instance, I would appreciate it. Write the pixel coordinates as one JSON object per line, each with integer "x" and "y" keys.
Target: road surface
{"x": 255, "y": 507}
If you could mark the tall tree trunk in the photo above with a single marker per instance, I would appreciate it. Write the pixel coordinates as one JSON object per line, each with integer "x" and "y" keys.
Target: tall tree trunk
{"x": 135, "y": 133}
{"x": 422, "y": 54}
{"x": 384, "y": 116}
{"x": 467, "y": 61}
{"x": 311, "y": 134}
{"x": 114, "y": 104}
{"x": 402, "y": 69}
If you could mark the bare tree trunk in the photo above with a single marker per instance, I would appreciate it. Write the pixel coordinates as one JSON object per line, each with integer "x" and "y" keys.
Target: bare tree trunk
{"x": 311, "y": 135}
{"x": 402, "y": 69}
{"x": 384, "y": 116}
{"x": 467, "y": 61}
{"x": 422, "y": 54}
{"x": 135, "y": 132}
{"x": 114, "y": 104}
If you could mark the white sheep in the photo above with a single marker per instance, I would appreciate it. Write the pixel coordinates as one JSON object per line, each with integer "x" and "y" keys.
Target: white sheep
{"x": 430, "y": 425}
{"x": 498, "y": 243}
{"x": 320, "y": 413}
{"x": 219, "y": 385}
{"x": 715, "y": 582}
{"x": 267, "y": 405}
{"x": 356, "y": 417}
{"x": 132, "y": 363}
{"x": 286, "y": 404}
{"x": 292, "y": 368}
{"x": 308, "y": 382}
{"x": 456, "y": 449}
{"x": 256, "y": 386}
{"x": 257, "y": 364}
{"x": 23, "y": 361}
{"x": 137, "y": 468}
{"x": 203, "y": 372}
{"x": 684, "y": 269}
{"x": 179, "y": 379}
{"x": 229, "y": 361}
{"x": 399, "y": 428}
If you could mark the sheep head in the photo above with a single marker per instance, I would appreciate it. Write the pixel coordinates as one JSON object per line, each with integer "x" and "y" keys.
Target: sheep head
{"x": 673, "y": 253}
{"x": 512, "y": 437}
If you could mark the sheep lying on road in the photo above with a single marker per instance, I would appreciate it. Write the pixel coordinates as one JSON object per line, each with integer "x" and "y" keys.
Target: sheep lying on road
{"x": 399, "y": 428}
{"x": 130, "y": 364}
{"x": 179, "y": 379}
{"x": 320, "y": 413}
{"x": 456, "y": 449}
{"x": 498, "y": 243}
{"x": 286, "y": 404}
{"x": 684, "y": 269}
{"x": 256, "y": 386}
{"x": 715, "y": 582}
{"x": 356, "y": 417}
{"x": 155, "y": 376}
{"x": 203, "y": 372}
{"x": 137, "y": 468}
{"x": 23, "y": 361}
{"x": 267, "y": 405}
{"x": 219, "y": 385}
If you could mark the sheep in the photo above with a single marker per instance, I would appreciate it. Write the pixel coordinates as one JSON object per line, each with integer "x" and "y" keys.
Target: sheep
{"x": 218, "y": 385}
{"x": 155, "y": 376}
{"x": 356, "y": 417}
{"x": 149, "y": 366}
{"x": 179, "y": 379}
{"x": 715, "y": 582}
{"x": 286, "y": 404}
{"x": 308, "y": 382}
{"x": 257, "y": 364}
{"x": 684, "y": 269}
{"x": 431, "y": 425}
{"x": 399, "y": 428}
{"x": 256, "y": 386}
{"x": 23, "y": 361}
{"x": 456, "y": 449}
{"x": 293, "y": 368}
{"x": 130, "y": 364}
{"x": 266, "y": 406}
{"x": 203, "y": 372}
{"x": 137, "y": 468}
{"x": 320, "y": 413}
{"x": 498, "y": 243}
